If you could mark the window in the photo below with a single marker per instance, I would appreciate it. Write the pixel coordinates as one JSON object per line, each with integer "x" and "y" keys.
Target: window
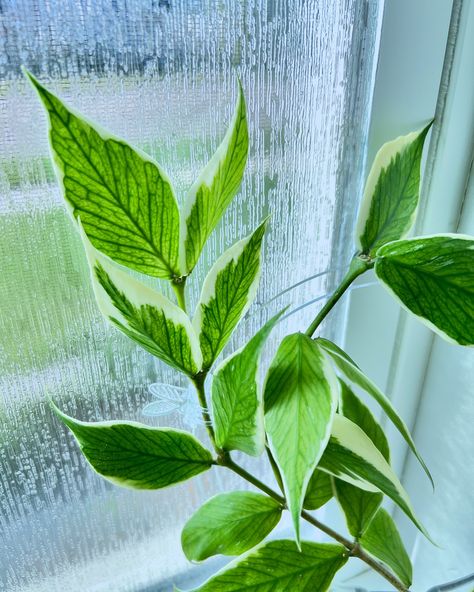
{"x": 161, "y": 73}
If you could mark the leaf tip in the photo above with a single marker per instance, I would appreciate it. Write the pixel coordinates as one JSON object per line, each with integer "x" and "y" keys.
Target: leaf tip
{"x": 65, "y": 419}
{"x": 32, "y": 79}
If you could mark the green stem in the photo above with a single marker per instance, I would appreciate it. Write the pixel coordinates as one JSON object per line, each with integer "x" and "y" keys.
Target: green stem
{"x": 198, "y": 382}
{"x": 276, "y": 470}
{"x": 357, "y": 267}
{"x": 179, "y": 285}
{"x": 354, "y": 548}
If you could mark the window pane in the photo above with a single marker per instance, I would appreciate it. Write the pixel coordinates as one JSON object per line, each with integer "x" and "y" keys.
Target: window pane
{"x": 161, "y": 73}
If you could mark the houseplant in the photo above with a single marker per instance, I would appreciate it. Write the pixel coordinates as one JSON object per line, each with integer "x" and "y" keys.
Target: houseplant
{"x": 320, "y": 438}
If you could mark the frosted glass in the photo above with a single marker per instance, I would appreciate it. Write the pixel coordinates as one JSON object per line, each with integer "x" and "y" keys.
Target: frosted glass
{"x": 161, "y": 73}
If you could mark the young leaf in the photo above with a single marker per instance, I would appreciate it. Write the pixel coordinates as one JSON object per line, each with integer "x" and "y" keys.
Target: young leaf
{"x": 353, "y": 373}
{"x": 236, "y": 397}
{"x": 229, "y": 524}
{"x": 137, "y": 456}
{"x": 143, "y": 314}
{"x": 278, "y": 566}
{"x": 382, "y": 540}
{"x": 301, "y": 395}
{"x": 227, "y": 293}
{"x": 433, "y": 277}
{"x": 215, "y": 187}
{"x": 124, "y": 199}
{"x": 319, "y": 490}
{"x": 390, "y": 200}
{"x": 351, "y": 456}
{"x": 359, "y": 506}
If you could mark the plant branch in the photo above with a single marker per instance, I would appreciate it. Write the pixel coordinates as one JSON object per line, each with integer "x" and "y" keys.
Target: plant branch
{"x": 276, "y": 470}
{"x": 198, "y": 382}
{"x": 357, "y": 267}
{"x": 354, "y": 548}
{"x": 178, "y": 285}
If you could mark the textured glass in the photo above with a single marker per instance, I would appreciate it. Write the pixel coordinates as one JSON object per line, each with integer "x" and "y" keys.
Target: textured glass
{"x": 161, "y": 73}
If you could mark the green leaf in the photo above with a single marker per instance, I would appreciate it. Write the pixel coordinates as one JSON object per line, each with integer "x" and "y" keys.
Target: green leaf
{"x": 319, "y": 490}
{"x": 352, "y": 456}
{"x": 383, "y": 541}
{"x": 215, "y": 187}
{"x": 278, "y": 566}
{"x": 301, "y": 395}
{"x": 359, "y": 506}
{"x": 124, "y": 199}
{"x": 143, "y": 314}
{"x": 391, "y": 195}
{"x": 433, "y": 277}
{"x": 353, "y": 408}
{"x": 229, "y": 524}
{"x": 236, "y": 397}
{"x": 227, "y": 293}
{"x": 353, "y": 373}
{"x": 138, "y": 456}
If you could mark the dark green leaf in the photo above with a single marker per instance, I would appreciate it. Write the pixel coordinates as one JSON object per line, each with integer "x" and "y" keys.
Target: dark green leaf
{"x": 229, "y": 524}
{"x": 236, "y": 397}
{"x": 215, "y": 187}
{"x": 137, "y": 456}
{"x": 353, "y": 373}
{"x": 227, "y": 293}
{"x": 433, "y": 277}
{"x": 278, "y": 566}
{"x": 301, "y": 395}
{"x": 382, "y": 541}
{"x": 359, "y": 506}
{"x": 319, "y": 490}
{"x": 143, "y": 314}
{"x": 391, "y": 195}
{"x": 125, "y": 201}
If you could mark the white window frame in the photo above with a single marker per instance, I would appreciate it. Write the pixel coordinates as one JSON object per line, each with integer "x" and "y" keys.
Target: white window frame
{"x": 425, "y": 68}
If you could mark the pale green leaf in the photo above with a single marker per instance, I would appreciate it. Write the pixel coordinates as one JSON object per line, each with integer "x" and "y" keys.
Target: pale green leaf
{"x": 237, "y": 399}
{"x": 278, "y": 566}
{"x": 229, "y": 524}
{"x": 301, "y": 396}
{"x": 359, "y": 506}
{"x": 391, "y": 195}
{"x": 227, "y": 293}
{"x": 124, "y": 199}
{"x": 138, "y": 456}
{"x": 353, "y": 408}
{"x": 353, "y": 373}
{"x": 433, "y": 277}
{"x": 143, "y": 314}
{"x": 383, "y": 541}
{"x": 215, "y": 187}
{"x": 319, "y": 490}
{"x": 351, "y": 456}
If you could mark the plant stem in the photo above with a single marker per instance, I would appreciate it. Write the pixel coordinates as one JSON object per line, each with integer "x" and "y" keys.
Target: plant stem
{"x": 354, "y": 548}
{"x": 230, "y": 464}
{"x": 198, "y": 382}
{"x": 357, "y": 267}
{"x": 276, "y": 470}
{"x": 179, "y": 285}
